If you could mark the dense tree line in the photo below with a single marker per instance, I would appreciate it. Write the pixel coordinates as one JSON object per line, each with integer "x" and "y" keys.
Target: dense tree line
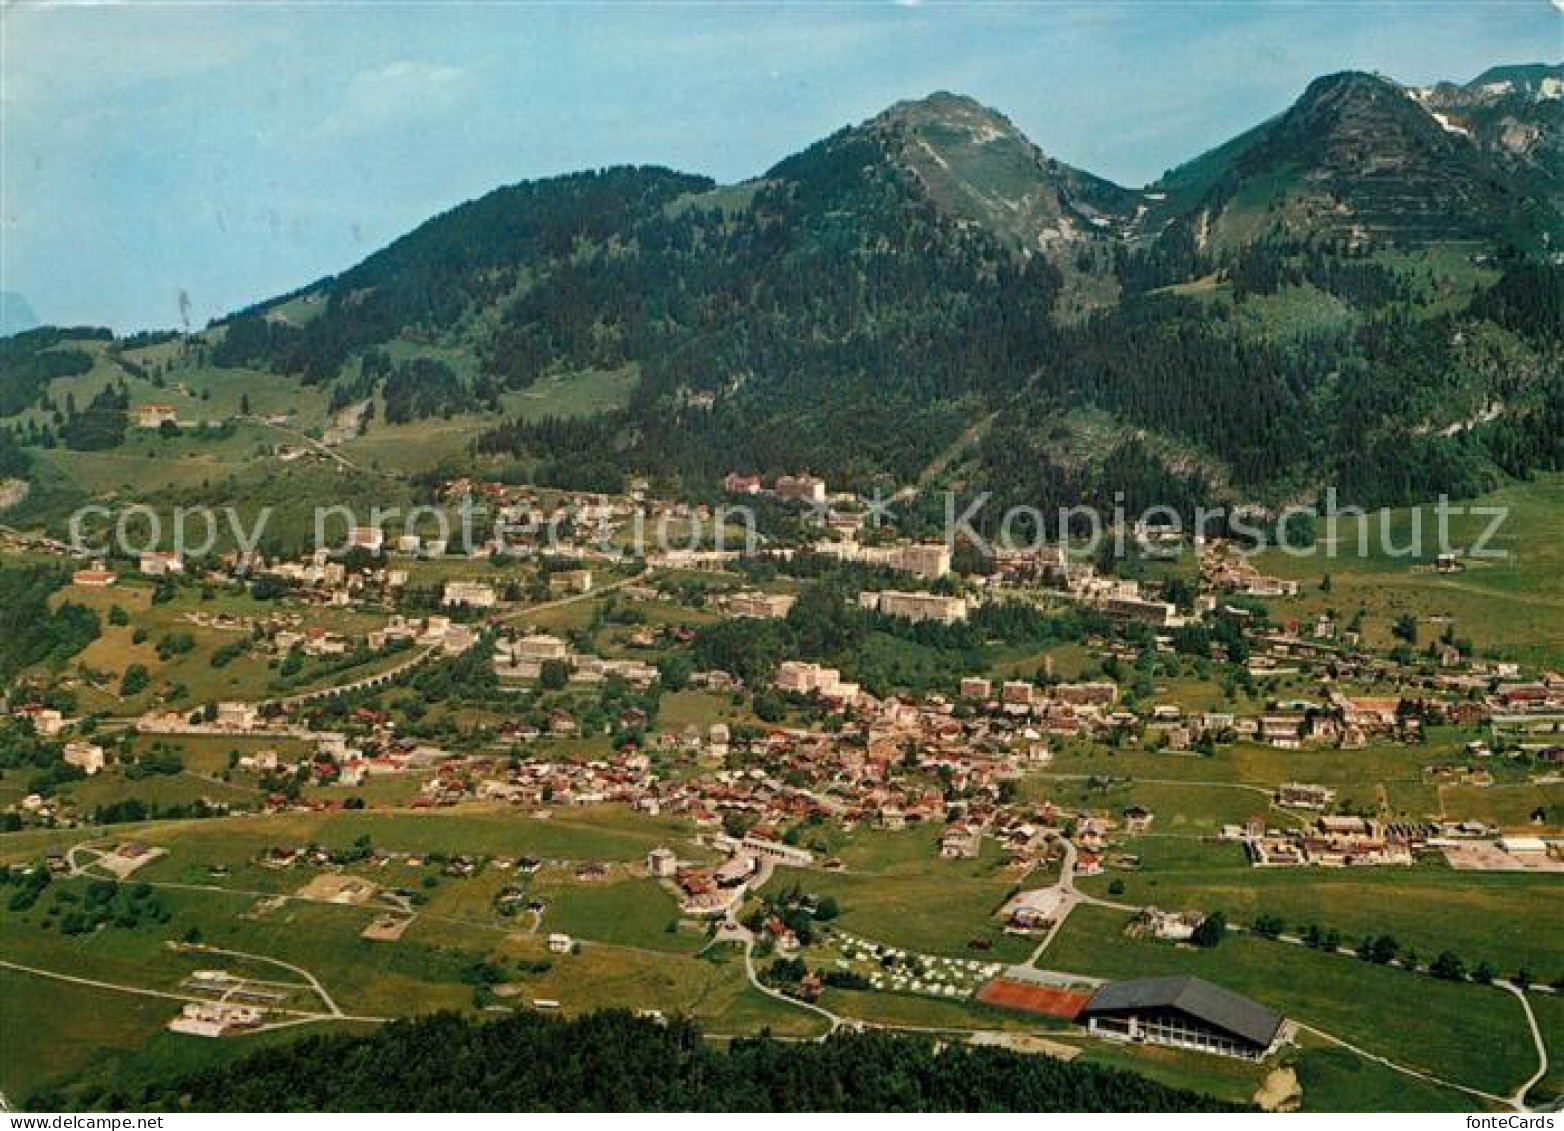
{"x": 1528, "y": 299}
{"x": 33, "y": 358}
{"x": 14, "y": 460}
{"x": 614, "y": 1061}
{"x": 101, "y": 425}
{"x": 30, "y": 631}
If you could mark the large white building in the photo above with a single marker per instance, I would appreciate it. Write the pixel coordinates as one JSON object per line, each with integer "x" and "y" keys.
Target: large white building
{"x": 916, "y": 606}
{"x": 87, "y": 755}
{"x": 473, "y": 594}
{"x": 812, "y": 679}
{"x": 760, "y": 605}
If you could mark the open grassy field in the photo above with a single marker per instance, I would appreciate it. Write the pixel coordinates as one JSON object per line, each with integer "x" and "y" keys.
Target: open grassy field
{"x": 603, "y": 833}
{"x": 626, "y": 957}
{"x": 1196, "y": 794}
{"x": 1510, "y": 606}
{"x": 624, "y": 912}
{"x": 1497, "y": 917}
{"x": 917, "y": 1011}
{"x": 1337, "y": 1079}
{"x": 102, "y": 1040}
{"x": 575, "y": 394}
{"x": 1549, "y": 1011}
{"x": 1228, "y": 1079}
{"x": 73, "y": 1024}
{"x": 160, "y": 789}
{"x": 419, "y": 444}
{"x": 896, "y": 890}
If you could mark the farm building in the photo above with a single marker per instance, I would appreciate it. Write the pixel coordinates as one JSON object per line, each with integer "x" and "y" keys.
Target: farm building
{"x": 1184, "y": 1012}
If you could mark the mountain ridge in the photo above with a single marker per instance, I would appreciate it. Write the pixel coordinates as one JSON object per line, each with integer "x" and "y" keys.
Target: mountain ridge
{"x": 1335, "y": 292}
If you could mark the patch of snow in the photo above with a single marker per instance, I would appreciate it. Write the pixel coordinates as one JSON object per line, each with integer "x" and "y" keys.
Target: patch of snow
{"x": 1448, "y": 126}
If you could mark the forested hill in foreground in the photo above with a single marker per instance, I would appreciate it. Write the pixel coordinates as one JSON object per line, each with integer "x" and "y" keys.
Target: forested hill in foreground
{"x": 613, "y": 1061}
{"x": 1363, "y": 291}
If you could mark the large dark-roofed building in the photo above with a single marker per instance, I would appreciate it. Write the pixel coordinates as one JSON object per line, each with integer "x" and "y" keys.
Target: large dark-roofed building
{"x": 1184, "y": 1012}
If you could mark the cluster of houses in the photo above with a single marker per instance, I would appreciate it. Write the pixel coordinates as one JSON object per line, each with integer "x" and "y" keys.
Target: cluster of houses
{"x": 1334, "y": 842}
{"x": 1224, "y": 569}
{"x": 1052, "y": 568}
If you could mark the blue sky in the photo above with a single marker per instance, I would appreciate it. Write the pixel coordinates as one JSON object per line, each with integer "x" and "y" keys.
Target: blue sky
{"x": 225, "y": 153}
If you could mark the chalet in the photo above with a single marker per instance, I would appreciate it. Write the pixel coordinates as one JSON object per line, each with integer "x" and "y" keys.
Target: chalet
{"x": 236, "y": 716}
{"x": 780, "y": 934}
{"x": 160, "y": 563}
{"x": 734, "y": 871}
{"x": 47, "y": 722}
{"x": 1137, "y": 819}
{"x": 661, "y": 863}
{"x": 1285, "y": 732}
{"x": 735, "y": 484}
{"x": 1297, "y": 795}
{"x": 98, "y": 577}
{"x": 1158, "y": 614}
{"x": 570, "y": 581}
{"x": 1016, "y": 691}
{"x": 156, "y": 415}
{"x": 976, "y": 687}
{"x": 801, "y": 488}
{"x": 1033, "y": 910}
{"x": 960, "y": 842}
{"x": 366, "y": 538}
{"x": 86, "y": 755}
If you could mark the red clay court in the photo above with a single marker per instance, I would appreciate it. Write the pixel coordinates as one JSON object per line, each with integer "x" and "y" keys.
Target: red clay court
{"x": 1030, "y": 997}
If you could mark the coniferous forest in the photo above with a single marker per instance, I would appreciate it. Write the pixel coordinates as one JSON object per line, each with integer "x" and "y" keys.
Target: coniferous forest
{"x": 615, "y": 1061}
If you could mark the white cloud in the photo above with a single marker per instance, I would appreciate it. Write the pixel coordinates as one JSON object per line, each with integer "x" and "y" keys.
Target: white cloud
{"x": 395, "y": 94}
